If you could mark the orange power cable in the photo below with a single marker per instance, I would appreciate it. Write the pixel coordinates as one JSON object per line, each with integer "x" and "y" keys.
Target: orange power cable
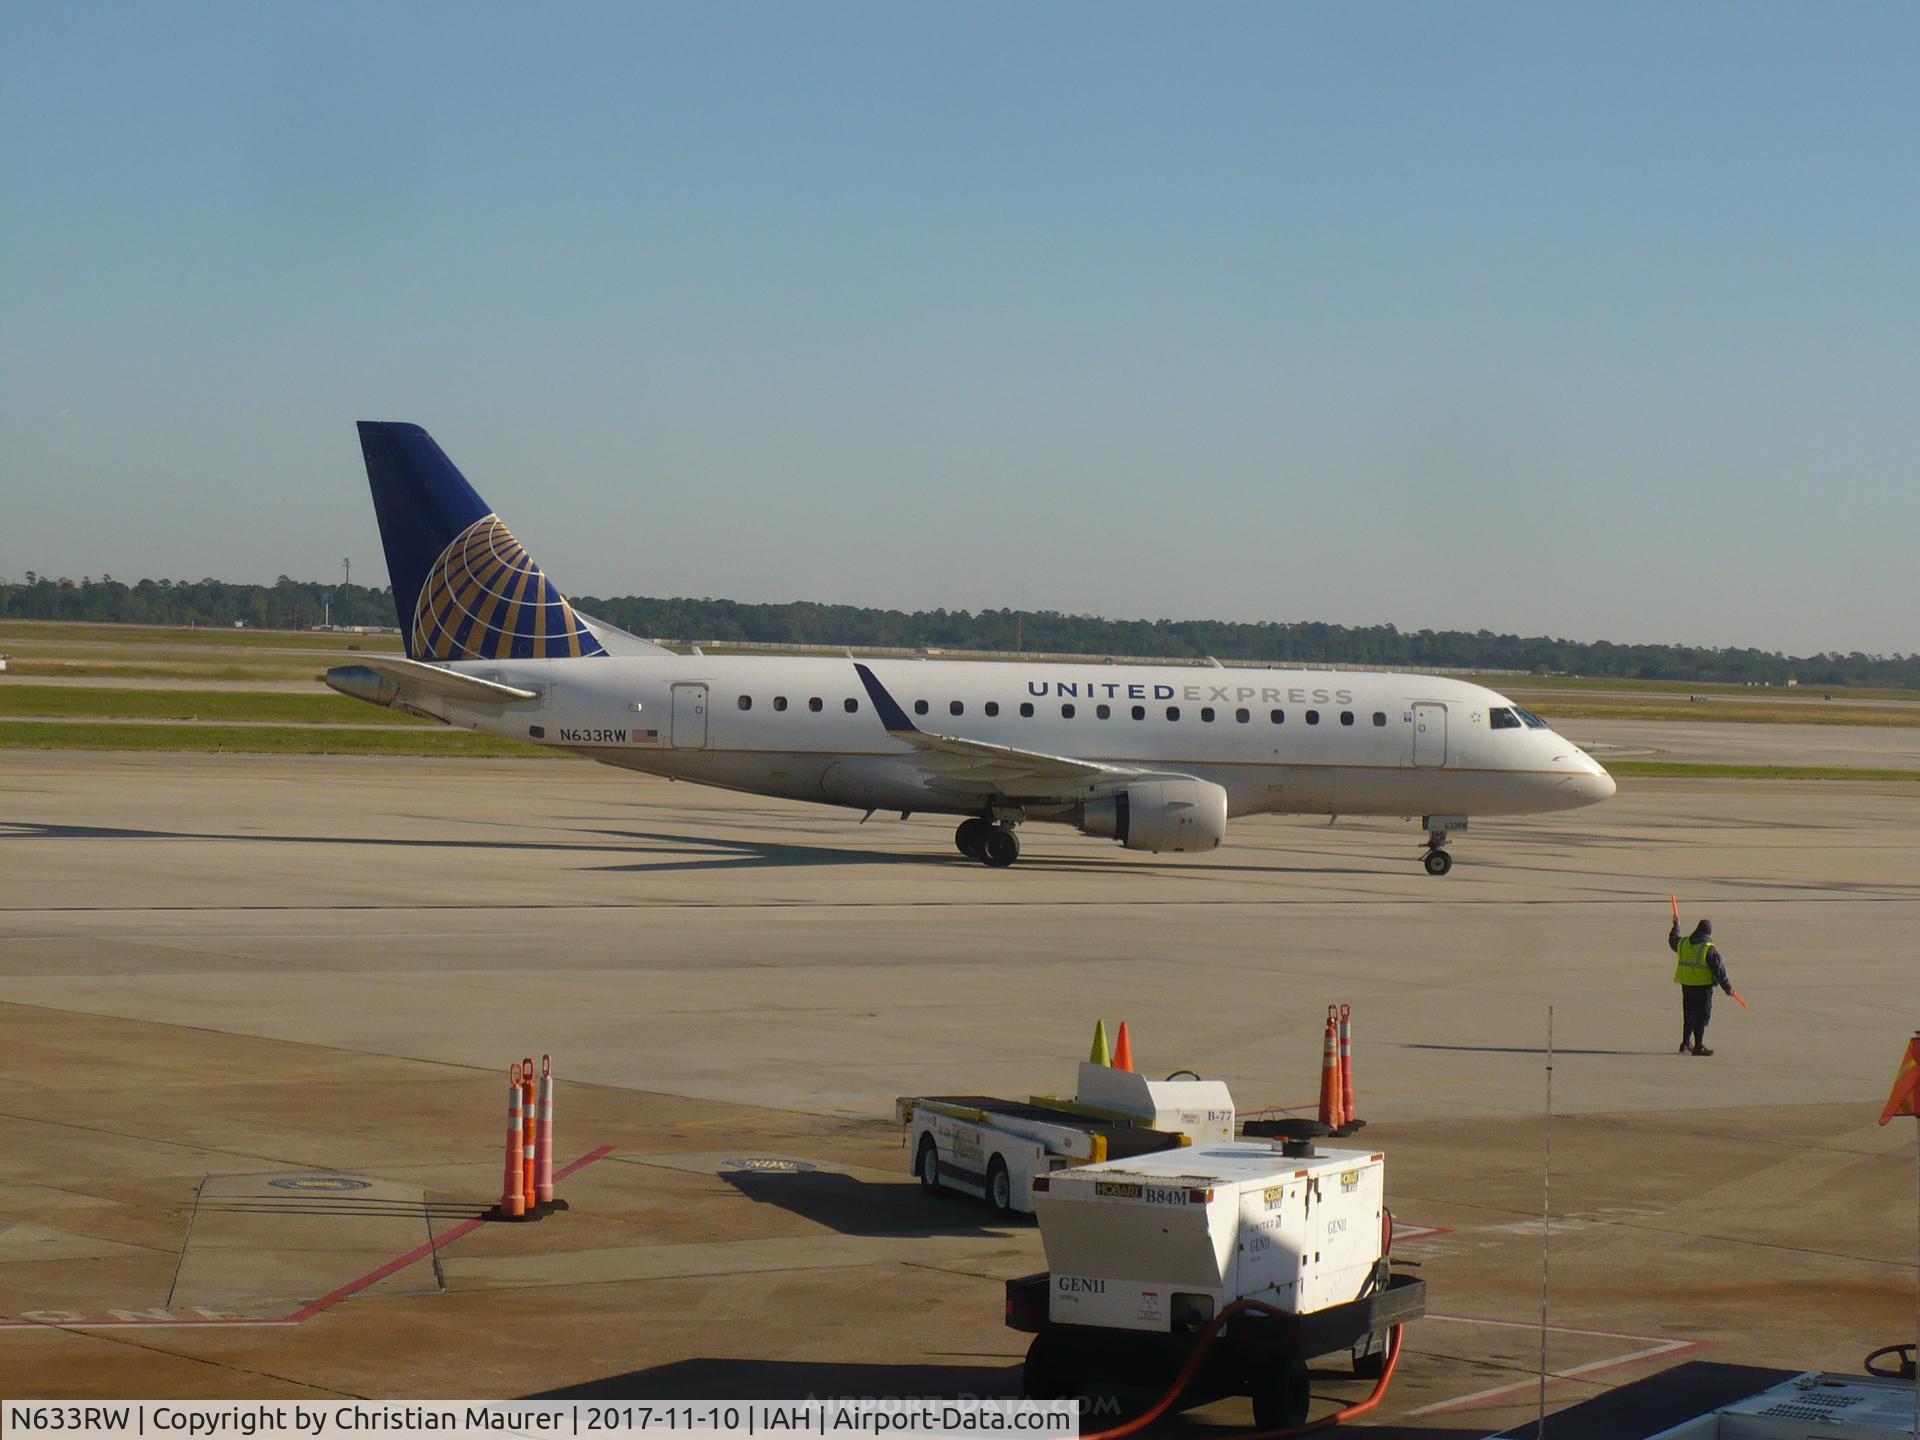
{"x": 1192, "y": 1368}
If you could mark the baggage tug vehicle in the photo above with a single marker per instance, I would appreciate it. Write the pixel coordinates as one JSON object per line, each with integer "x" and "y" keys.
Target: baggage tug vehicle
{"x": 1000, "y": 1149}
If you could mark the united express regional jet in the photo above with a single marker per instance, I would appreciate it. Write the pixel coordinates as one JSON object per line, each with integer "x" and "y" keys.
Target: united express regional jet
{"x": 1154, "y": 757}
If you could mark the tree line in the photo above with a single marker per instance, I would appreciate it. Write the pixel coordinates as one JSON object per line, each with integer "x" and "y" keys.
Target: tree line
{"x": 297, "y": 604}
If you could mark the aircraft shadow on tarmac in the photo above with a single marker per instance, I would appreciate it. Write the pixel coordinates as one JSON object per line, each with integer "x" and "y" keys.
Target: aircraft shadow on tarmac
{"x": 1518, "y": 1049}
{"x": 710, "y": 853}
{"x": 851, "y": 1206}
{"x": 679, "y": 853}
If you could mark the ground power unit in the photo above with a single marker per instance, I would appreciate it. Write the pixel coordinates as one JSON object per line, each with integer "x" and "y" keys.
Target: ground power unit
{"x": 1265, "y": 1254}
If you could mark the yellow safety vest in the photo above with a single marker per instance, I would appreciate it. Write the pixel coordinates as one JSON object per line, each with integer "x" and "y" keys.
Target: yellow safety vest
{"x": 1693, "y": 968}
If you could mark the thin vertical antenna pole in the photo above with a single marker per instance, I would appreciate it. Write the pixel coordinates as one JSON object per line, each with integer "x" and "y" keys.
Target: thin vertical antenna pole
{"x": 1546, "y": 1229}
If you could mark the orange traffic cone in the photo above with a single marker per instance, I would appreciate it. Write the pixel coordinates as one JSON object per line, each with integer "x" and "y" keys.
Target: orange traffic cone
{"x": 1123, "y": 1050}
{"x": 513, "y": 1200}
{"x": 529, "y": 1123}
{"x": 1347, "y": 1107}
{"x": 1331, "y": 1115}
{"x": 543, "y": 1136}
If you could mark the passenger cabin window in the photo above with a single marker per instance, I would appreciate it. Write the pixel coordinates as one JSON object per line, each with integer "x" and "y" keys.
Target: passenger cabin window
{"x": 1104, "y": 712}
{"x": 1346, "y": 717}
{"x": 746, "y": 702}
{"x": 1380, "y": 718}
{"x": 919, "y": 707}
{"x": 956, "y": 708}
{"x": 1206, "y": 714}
{"x": 1139, "y": 712}
{"x": 1066, "y": 712}
{"x": 814, "y": 704}
{"x": 1313, "y": 717}
{"x": 1501, "y": 718}
{"x": 1278, "y": 717}
{"x": 993, "y": 708}
{"x": 1173, "y": 712}
{"x": 1026, "y": 709}
{"x": 779, "y": 702}
{"x": 852, "y": 705}
{"x": 1242, "y": 716}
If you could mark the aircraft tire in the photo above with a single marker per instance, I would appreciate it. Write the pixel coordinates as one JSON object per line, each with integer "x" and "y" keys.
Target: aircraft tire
{"x": 971, "y": 838}
{"x": 1002, "y": 847}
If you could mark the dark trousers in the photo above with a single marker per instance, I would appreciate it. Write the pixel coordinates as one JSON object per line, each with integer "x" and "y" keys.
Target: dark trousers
{"x": 1696, "y": 1009}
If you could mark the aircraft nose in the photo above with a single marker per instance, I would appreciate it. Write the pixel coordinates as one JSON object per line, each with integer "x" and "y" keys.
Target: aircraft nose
{"x": 1590, "y": 784}
{"x": 1598, "y": 786}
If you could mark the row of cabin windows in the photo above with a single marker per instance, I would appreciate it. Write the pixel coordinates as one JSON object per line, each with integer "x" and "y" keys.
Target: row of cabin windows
{"x": 1068, "y": 711}
{"x": 815, "y": 704}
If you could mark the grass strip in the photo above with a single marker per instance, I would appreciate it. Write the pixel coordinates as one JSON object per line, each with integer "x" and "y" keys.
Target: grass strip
{"x": 118, "y": 703}
{"x": 262, "y": 740}
{"x": 1876, "y": 716}
{"x": 1685, "y": 770}
{"x": 27, "y": 632}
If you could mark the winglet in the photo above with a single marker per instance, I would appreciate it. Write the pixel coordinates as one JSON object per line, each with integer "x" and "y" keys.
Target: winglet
{"x": 891, "y": 715}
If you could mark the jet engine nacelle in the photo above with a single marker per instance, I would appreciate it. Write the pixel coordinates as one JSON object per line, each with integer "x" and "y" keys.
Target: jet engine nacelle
{"x": 1160, "y": 815}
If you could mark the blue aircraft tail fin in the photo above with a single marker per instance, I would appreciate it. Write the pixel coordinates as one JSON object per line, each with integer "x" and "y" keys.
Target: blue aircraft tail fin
{"x": 463, "y": 587}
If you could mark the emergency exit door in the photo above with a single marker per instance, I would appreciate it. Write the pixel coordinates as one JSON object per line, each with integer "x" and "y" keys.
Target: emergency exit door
{"x": 689, "y": 717}
{"x": 1429, "y": 734}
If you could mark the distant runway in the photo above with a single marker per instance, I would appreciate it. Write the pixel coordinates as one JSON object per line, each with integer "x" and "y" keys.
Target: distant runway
{"x": 1861, "y": 747}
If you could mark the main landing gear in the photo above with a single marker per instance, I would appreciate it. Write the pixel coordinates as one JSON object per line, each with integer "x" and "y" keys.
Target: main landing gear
{"x": 1439, "y": 827}
{"x": 993, "y": 845}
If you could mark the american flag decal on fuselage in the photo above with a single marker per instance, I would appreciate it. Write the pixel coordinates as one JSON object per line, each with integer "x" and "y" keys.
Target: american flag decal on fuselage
{"x": 485, "y": 599}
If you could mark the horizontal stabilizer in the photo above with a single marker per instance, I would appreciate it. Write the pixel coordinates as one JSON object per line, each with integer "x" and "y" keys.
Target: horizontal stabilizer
{"x": 385, "y": 679}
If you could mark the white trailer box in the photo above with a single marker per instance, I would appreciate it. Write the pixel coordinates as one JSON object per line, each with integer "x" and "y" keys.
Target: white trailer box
{"x": 1201, "y": 1110}
{"x": 1163, "y": 1242}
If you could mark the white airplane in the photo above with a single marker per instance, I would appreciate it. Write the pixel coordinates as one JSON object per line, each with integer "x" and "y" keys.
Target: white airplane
{"x": 1155, "y": 757}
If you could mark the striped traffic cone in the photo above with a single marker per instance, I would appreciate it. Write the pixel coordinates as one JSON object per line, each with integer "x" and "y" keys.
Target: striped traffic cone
{"x": 543, "y": 1136}
{"x": 529, "y": 1128}
{"x": 1331, "y": 1115}
{"x": 1347, "y": 1107}
{"x": 513, "y": 1198}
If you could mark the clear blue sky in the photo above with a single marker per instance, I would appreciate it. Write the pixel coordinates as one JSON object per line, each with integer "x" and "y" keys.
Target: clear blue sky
{"x": 1595, "y": 320}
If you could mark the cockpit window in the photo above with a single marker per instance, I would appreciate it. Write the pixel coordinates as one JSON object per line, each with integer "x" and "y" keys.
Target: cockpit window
{"x": 1534, "y": 722}
{"x": 1501, "y": 718}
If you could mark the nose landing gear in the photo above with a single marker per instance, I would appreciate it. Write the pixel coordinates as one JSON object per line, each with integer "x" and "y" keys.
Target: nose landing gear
{"x": 1439, "y": 828}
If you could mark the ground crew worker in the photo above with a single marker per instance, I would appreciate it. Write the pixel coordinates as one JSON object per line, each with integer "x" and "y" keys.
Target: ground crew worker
{"x": 1698, "y": 971}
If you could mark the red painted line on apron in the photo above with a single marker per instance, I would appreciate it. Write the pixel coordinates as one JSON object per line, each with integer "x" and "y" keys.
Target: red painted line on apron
{"x": 325, "y": 1302}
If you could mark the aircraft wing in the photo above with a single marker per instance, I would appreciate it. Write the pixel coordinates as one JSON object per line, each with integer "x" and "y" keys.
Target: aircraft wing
{"x": 383, "y": 679}
{"x": 978, "y": 767}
